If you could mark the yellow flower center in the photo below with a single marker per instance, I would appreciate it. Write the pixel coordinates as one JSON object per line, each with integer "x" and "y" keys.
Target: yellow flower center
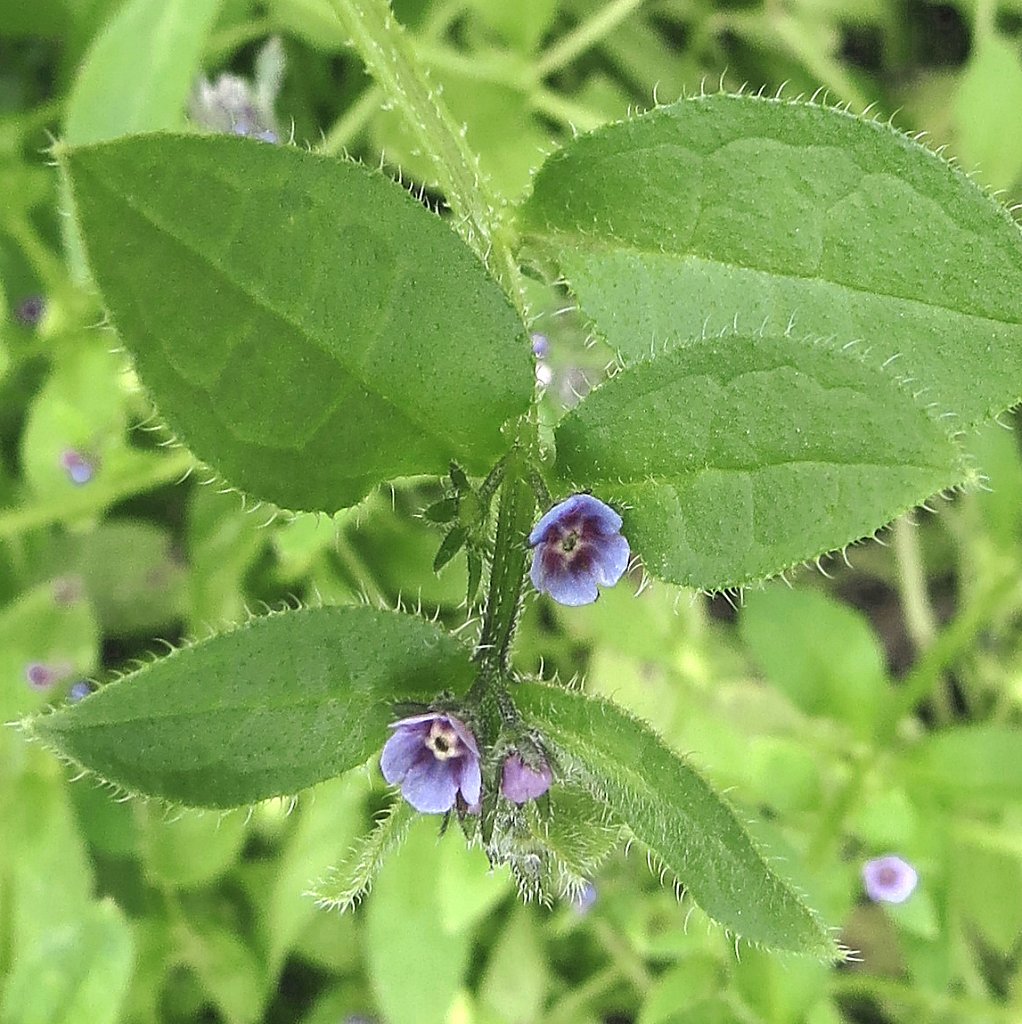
{"x": 443, "y": 741}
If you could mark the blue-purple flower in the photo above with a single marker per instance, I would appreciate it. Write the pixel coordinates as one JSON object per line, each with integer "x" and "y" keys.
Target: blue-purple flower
{"x": 520, "y": 782}
{"x": 42, "y": 676}
{"x": 578, "y": 546}
{"x": 79, "y": 691}
{"x": 79, "y": 468}
{"x": 433, "y": 757}
{"x": 889, "y": 879}
{"x": 30, "y": 310}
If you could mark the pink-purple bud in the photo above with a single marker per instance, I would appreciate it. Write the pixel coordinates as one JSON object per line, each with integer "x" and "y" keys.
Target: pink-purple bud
{"x": 520, "y": 783}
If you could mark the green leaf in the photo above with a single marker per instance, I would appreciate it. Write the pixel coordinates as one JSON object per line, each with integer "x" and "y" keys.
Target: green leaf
{"x": 190, "y": 849}
{"x": 735, "y": 457}
{"x": 989, "y": 94}
{"x": 76, "y": 973}
{"x": 327, "y": 825}
{"x": 139, "y": 70}
{"x": 723, "y": 205}
{"x": 672, "y": 810}
{"x": 516, "y": 980}
{"x": 415, "y": 965}
{"x": 276, "y": 705}
{"x": 970, "y": 763}
{"x": 336, "y": 333}
{"x": 821, "y": 653}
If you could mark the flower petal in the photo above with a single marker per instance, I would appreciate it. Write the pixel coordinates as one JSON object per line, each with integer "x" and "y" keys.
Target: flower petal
{"x": 402, "y": 751}
{"x": 611, "y": 559}
{"x": 464, "y": 733}
{"x": 431, "y": 786}
{"x": 572, "y": 589}
{"x": 470, "y": 780}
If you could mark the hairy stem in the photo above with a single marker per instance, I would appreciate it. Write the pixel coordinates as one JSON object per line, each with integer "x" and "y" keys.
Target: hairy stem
{"x": 510, "y": 552}
{"x": 390, "y": 57}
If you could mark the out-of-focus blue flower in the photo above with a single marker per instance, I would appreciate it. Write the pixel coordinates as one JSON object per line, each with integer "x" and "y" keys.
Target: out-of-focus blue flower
{"x": 889, "y": 879}
{"x": 434, "y": 757}
{"x": 30, "y": 310}
{"x": 584, "y": 901}
{"x": 520, "y": 783}
{"x": 79, "y": 468}
{"x": 540, "y": 345}
{"x": 79, "y": 691}
{"x": 578, "y": 545}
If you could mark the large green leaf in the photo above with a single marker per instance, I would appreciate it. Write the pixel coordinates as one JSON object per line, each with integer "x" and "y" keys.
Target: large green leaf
{"x": 735, "y": 457}
{"x": 139, "y": 70}
{"x": 270, "y": 708}
{"x": 335, "y": 334}
{"x": 720, "y": 205}
{"x": 672, "y": 810}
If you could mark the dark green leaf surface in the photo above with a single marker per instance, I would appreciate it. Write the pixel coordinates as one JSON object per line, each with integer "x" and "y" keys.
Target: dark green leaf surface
{"x": 672, "y": 810}
{"x": 270, "y": 708}
{"x": 736, "y": 457}
{"x": 724, "y": 205}
{"x": 335, "y": 335}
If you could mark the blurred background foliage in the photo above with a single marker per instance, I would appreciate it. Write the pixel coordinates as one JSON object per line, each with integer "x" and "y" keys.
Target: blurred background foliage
{"x": 110, "y": 547}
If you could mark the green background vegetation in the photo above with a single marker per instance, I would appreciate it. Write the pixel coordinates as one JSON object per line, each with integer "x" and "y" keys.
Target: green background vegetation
{"x": 125, "y": 911}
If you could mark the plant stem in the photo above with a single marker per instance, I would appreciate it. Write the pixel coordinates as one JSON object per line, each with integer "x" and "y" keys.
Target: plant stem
{"x": 937, "y": 1005}
{"x": 585, "y": 35}
{"x": 165, "y": 470}
{"x": 503, "y": 601}
{"x": 956, "y": 637}
{"x": 390, "y": 57}
{"x": 352, "y": 121}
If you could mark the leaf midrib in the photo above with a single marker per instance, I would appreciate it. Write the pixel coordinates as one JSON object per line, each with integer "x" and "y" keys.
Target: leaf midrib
{"x": 586, "y": 244}
{"x": 267, "y": 307}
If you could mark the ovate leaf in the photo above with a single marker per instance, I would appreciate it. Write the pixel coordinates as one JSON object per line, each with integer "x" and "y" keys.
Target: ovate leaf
{"x": 274, "y": 706}
{"x": 671, "y": 809}
{"x": 734, "y": 457}
{"x": 336, "y": 333}
{"x": 721, "y": 204}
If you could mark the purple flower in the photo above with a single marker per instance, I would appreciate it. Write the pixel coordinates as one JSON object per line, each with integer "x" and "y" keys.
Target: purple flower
{"x": 540, "y": 345}
{"x": 79, "y": 691}
{"x": 578, "y": 545}
{"x": 433, "y": 756}
{"x": 520, "y": 783}
{"x": 889, "y": 879}
{"x": 584, "y": 900}
{"x": 78, "y": 467}
{"x": 41, "y": 676}
{"x": 30, "y": 310}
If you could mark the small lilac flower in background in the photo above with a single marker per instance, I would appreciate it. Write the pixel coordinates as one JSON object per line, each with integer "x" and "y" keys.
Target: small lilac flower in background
{"x": 540, "y": 346}
{"x": 79, "y": 468}
{"x": 79, "y": 691}
{"x": 234, "y": 106}
{"x": 30, "y": 310}
{"x": 68, "y": 590}
{"x": 578, "y": 545}
{"x": 889, "y": 879}
{"x": 41, "y": 676}
{"x": 520, "y": 783}
{"x": 434, "y": 757}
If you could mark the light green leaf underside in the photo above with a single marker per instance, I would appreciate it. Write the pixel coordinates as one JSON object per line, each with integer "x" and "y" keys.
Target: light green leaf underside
{"x": 733, "y": 458}
{"x": 305, "y": 325}
{"x": 268, "y": 709}
{"x": 138, "y": 71}
{"x": 725, "y": 205}
{"x": 671, "y": 809}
